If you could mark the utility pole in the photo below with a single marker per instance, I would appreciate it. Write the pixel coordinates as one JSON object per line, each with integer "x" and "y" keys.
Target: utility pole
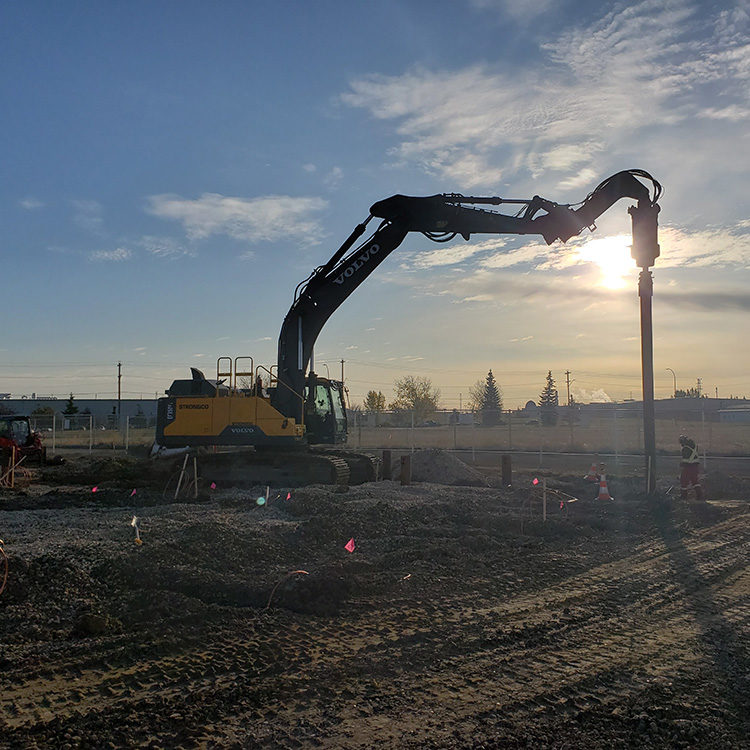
{"x": 342, "y": 372}
{"x": 119, "y": 392}
{"x": 567, "y": 383}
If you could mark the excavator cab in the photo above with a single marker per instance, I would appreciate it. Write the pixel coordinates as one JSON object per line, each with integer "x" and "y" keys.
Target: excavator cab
{"x": 325, "y": 413}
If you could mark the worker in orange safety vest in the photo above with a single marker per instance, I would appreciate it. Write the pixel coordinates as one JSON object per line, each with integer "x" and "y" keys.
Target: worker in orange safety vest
{"x": 689, "y": 468}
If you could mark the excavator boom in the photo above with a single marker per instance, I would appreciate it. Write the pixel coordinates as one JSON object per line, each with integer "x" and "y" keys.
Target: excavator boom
{"x": 440, "y": 218}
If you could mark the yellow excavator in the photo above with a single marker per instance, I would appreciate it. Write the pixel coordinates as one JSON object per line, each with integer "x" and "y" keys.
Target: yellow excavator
{"x": 284, "y": 422}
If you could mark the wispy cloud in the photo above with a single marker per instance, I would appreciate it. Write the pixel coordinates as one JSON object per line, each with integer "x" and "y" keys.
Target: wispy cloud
{"x": 726, "y": 246}
{"x": 88, "y": 215}
{"x": 453, "y": 254}
{"x": 261, "y": 219}
{"x": 653, "y": 64}
{"x": 30, "y": 203}
{"x": 164, "y": 247}
{"x": 718, "y": 301}
{"x": 525, "y": 11}
{"x": 334, "y": 178}
{"x": 117, "y": 256}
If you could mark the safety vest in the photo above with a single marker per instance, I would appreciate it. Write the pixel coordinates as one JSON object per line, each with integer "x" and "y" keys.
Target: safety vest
{"x": 692, "y": 457}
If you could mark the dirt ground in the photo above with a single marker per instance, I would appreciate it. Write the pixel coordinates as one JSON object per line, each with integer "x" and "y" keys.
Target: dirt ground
{"x": 459, "y": 620}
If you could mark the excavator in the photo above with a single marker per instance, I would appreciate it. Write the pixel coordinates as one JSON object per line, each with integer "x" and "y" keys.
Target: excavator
{"x": 277, "y": 411}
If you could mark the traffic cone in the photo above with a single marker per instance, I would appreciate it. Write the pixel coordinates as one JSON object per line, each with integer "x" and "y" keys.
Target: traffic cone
{"x": 603, "y": 489}
{"x": 592, "y": 476}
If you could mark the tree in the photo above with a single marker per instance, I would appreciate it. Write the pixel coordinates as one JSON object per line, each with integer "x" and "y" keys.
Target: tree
{"x": 492, "y": 401}
{"x": 374, "y": 401}
{"x": 415, "y": 394}
{"x": 548, "y": 402}
{"x": 476, "y": 395}
{"x": 70, "y": 408}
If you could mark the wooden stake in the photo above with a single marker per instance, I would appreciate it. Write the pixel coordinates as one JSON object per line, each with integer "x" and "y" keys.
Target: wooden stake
{"x": 386, "y": 464}
{"x": 406, "y": 470}
{"x": 182, "y": 476}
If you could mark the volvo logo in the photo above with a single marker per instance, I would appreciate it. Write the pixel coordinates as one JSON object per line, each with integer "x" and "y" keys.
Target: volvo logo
{"x": 358, "y": 263}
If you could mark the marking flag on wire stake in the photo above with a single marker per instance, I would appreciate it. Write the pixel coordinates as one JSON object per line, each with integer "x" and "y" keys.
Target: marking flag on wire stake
{"x": 349, "y": 546}
{"x": 134, "y": 524}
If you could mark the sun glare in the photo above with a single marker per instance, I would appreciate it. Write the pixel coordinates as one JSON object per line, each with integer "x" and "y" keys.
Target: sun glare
{"x": 612, "y": 255}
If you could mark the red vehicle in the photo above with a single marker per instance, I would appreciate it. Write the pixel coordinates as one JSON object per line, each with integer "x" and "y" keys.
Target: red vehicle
{"x": 15, "y": 431}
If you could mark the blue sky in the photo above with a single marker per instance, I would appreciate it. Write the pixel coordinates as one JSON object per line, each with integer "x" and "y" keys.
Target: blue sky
{"x": 172, "y": 170}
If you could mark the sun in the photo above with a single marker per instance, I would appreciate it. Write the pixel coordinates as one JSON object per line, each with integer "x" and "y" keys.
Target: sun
{"x": 612, "y": 255}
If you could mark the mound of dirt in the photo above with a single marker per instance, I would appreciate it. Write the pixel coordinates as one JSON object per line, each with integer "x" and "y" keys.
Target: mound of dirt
{"x": 439, "y": 467}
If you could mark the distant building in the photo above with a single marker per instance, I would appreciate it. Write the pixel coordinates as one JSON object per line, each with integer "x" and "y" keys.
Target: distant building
{"x": 103, "y": 411}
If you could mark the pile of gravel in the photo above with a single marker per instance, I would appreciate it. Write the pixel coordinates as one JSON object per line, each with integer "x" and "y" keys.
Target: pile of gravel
{"x": 439, "y": 467}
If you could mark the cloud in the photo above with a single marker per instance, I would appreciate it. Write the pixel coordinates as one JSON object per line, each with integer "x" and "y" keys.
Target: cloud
{"x": 446, "y": 256}
{"x": 525, "y": 11}
{"x": 118, "y": 255}
{"x": 717, "y": 247}
{"x": 267, "y": 218}
{"x": 594, "y": 91}
{"x": 164, "y": 247}
{"x": 88, "y": 216}
{"x": 30, "y": 203}
{"x": 333, "y": 179}
{"x": 590, "y": 397}
{"x": 718, "y": 301}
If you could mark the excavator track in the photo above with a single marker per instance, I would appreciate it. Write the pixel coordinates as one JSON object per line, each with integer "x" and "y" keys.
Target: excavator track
{"x": 244, "y": 468}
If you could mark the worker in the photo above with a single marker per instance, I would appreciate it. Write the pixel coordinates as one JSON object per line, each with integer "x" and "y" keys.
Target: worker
{"x": 689, "y": 467}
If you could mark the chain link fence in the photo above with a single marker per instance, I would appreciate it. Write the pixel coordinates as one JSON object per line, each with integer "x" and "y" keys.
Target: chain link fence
{"x": 87, "y": 432}
{"x": 612, "y": 431}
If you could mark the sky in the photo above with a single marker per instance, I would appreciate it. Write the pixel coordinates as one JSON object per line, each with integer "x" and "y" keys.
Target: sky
{"x": 173, "y": 169}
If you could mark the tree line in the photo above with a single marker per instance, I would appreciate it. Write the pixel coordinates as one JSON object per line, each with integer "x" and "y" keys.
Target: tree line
{"x": 415, "y": 395}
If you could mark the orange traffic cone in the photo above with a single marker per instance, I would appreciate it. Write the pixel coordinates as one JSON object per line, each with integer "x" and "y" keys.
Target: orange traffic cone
{"x": 592, "y": 476}
{"x": 603, "y": 489}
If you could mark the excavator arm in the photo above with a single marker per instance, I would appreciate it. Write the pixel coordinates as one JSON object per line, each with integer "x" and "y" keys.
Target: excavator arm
{"x": 440, "y": 218}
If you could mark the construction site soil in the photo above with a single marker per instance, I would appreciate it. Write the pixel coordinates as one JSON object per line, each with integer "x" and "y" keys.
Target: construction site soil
{"x": 461, "y": 619}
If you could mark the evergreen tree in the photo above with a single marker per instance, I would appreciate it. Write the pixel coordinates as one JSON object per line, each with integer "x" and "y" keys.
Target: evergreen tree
{"x": 70, "y": 408}
{"x": 548, "y": 402}
{"x": 492, "y": 401}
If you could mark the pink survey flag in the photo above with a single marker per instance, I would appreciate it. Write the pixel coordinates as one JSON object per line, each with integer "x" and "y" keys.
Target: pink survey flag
{"x": 536, "y": 481}
{"x": 288, "y": 495}
{"x": 94, "y": 489}
{"x": 213, "y": 485}
{"x": 132, "y": 493}
{"x": 349, "y": 546}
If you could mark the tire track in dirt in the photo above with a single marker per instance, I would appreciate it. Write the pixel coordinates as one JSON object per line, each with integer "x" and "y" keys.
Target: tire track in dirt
{"x": 623, "y": 652}
{"x": 579, "y": 645}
